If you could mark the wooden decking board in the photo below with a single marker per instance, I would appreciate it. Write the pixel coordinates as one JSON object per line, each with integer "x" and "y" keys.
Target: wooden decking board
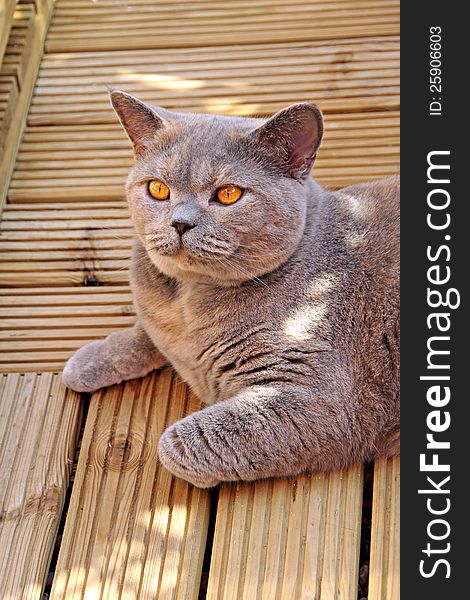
{"x": 135, "y": 38}
{"x": 288, "y": 539}
{"x": 37, "y": 331}
{"x": 384, "y": 581}
{"x": 12, "y": 66}
{"x": 342, "y": 65}
{"x": 85, "y": 230}
{"x": 307, "y": 73}
{"x": 234, "y": 58}
{"x": 65, "y": 241}
{"x": 132, "y": 529}
{"x": 17, "y": 52}
{"x": 23, "y": 64}
{"x": 223, "y": 24}
{"x": 66, "y": 15}
{"x": 7, "y": 10}
{"x": 177, "y": 25}
{"x": 39, "y": 422}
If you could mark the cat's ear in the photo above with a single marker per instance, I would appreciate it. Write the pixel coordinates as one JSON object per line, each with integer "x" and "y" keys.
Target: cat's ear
{"x": 293, "y": 136}
{"x": 139, "y": 120}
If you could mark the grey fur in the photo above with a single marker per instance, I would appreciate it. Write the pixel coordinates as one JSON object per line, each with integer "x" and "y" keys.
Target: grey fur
{"x": 281, "y": 311}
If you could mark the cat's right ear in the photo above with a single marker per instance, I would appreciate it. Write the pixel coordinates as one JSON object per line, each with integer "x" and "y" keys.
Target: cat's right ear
{"x": 292, "y": 137}
{"x": 139, "y": 121}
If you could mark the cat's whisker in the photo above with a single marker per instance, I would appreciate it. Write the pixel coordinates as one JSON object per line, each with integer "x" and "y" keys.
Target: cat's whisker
{"x": 212, "y": 253}
{"x": 253, "y": 257}
{"x": 135, "y": 262}
{"x": 118, "y": 237}
{"x": 242, "y": 271}
{"x": 218, "y": 243}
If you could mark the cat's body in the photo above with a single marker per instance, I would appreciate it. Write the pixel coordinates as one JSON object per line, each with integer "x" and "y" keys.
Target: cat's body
{"x": 295, "y": 346}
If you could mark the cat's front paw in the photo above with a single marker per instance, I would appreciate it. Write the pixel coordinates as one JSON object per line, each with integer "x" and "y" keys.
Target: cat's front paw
{"x": 89, "y": 370}
{"x": 185, "y": 452}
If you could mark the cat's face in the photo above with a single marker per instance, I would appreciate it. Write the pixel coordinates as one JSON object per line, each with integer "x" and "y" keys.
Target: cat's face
{"x": 228, "y": 200}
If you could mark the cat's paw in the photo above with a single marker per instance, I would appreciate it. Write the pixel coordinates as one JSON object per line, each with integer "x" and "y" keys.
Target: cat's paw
{"x": 89, "y": 369}
{"x": 185, "y": 451}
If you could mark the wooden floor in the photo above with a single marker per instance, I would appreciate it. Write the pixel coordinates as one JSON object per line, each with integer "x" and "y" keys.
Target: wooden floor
{"x": 132, "y": 530}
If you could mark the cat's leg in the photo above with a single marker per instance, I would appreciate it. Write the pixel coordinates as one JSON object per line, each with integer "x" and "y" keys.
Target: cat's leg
{"x": 264, "y": 431}
{"x": 121, "y": 356}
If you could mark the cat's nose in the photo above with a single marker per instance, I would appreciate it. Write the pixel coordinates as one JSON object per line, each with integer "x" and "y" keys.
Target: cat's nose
{"x": 182, "y": 226}
{"x": 184, "y": 216}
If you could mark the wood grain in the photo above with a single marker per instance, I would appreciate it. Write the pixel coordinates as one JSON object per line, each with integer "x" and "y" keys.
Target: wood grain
{"x": 288, "y": 539}
{"x": 384, "y": 581}
{"x": 39, "y": 423}
{"x": 25, "y": 67}
{"x": 132, "y": 531}
{"x": 37, "y": 331}
{"x": 83, "y": 28}
{"x": 7, "y": 9}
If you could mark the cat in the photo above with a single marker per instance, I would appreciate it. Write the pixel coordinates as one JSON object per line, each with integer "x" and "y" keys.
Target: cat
{"x": 276, "y": 300}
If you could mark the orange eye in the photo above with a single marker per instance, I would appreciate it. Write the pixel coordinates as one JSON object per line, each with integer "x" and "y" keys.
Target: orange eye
{"x": 159, "y": 190}
{"x": 229, "y": 194}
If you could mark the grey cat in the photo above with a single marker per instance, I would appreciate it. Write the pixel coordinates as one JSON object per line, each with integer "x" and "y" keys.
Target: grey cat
{"x": 275, "y": 300}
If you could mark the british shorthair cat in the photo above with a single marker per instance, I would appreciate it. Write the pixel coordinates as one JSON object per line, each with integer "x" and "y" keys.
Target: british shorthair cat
{"x": 276, "y": 300}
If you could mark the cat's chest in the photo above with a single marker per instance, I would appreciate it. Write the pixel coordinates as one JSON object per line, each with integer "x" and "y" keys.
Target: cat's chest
{"x": 187, "y": 327}
{"x": 169, "y": 320}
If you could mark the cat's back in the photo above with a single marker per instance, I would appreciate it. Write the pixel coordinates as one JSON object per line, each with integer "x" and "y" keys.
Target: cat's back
{"x": 364, "y": 221}
{"x": 372, "y": 210}
{"x": 356, "y": 231}
{"x": 350, "y": 265}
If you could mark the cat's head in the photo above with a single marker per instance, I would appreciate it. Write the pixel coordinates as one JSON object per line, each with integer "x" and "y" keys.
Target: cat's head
{"x": 219, "y": 197}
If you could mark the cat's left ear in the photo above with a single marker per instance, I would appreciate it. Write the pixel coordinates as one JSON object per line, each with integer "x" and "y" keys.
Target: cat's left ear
{"x": 140, "y": 121}
{"x": 293, "y": 136}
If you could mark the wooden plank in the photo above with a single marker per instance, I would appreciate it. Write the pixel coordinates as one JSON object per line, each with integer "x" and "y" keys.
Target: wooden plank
{"x": 136, "y": 38}
{"x": 77, "y": 5}
{"x": 220, "y": 20}
{"x": 7, "y": 9}
{"x": 211, "y": 83}
{"x": 362, "y": 73}
{"x": 71, "y": 212}
{"x": 238, "y": 14}
{"x": 9, "y": 298}
{"x": 28, "y": 367}
{"x": 76, "y": 246}
{"x": 67, "y": 194}
{"x": 81, "y": 310}
{"x": 17, "y": 52}
{"x": 82, "y": 261}
{"x": 13, "y": 136}
{"x": 384, "y": 569}
{"x": 244, "y": 22}
{"x": 294, "y": 538}
{"x": 59, "y": 322}
{"x": 93, "y": 292}
{"x": 81, "y": 224}
{"x": 60, "y": 333}
{"x": 85, "y": 276}
{"x": 39, "y": 423}
{"x": 89, "y": 235}
{"x": 83, "y": 65}
{"x": 132, "y": 530}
